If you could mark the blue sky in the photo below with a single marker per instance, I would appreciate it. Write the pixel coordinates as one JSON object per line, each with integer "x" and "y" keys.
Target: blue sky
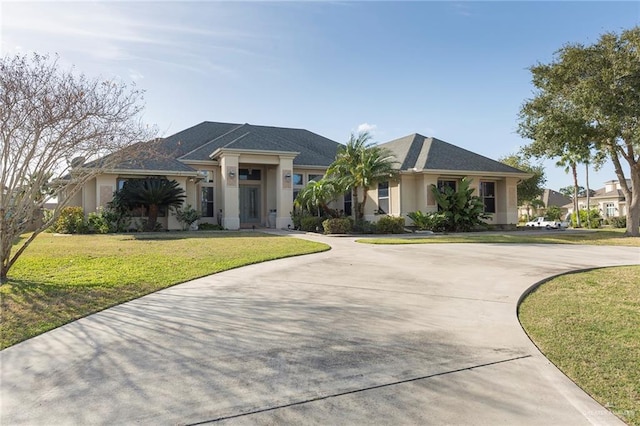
{"x": 457, "y": 71}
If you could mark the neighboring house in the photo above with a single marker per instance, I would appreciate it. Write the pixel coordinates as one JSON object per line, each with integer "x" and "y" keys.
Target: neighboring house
{"x": 550, "y": 198}
{"x": 609, "y": 201}
{"x": 242, "y": 175}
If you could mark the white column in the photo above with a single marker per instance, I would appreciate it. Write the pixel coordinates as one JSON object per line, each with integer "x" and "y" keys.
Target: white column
{"x": 230, "y": 191}
{"x": 284, "y": 192}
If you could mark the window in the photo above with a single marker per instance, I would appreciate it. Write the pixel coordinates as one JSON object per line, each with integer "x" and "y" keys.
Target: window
{"x": 383, "y": 198}
{"x": 298, "y": 179}
{"x": 442, "y": 184}
{"x": 250, "y": 174}
{"x": 295, "y": 194}
{"x": 610, "y": 209}
{"x": 206, "y": 201}
{"x": 488, "y": 195}
{"x": 206, "y": 175}
{"x": 315, "y": 178}
{"x": 347, "y": 203}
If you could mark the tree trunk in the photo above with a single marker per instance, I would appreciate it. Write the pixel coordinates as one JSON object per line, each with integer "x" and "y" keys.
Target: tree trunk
{"x": 576, "y": 206}
{"x": 364, "y": 201}
{"x": 587, "y": 186}
{"x": 354, "y": 204}
{"x": 633, "y": 203}
{"x": 631, "y": 195}
{"x": 153, "y": 217}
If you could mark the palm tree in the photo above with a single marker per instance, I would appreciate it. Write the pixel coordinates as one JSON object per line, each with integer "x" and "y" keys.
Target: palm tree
{"x": 316, "y": 196}
{"x": 358, "y": 166}
{"x": 152, "y": 193}
{"x": 569, "y": 162}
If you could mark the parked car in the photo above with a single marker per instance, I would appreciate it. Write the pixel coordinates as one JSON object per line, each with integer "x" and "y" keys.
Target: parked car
{"x": 541, "y": 222}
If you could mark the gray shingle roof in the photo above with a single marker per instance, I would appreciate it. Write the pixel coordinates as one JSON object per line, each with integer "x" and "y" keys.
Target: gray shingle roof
{"x": 554, "y": 198}
{"x": 315, "y": 150}
{"x": 422, "y": 153}
{"x": 200, "y": 141}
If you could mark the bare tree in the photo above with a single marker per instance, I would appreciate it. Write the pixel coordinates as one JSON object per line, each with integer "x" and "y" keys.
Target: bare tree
{"x": 58, "y": 130}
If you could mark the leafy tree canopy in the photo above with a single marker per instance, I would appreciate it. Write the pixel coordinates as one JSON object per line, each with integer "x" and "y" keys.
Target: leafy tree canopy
{"x": 586, "y": 108}
{"x": 528, "y": 189}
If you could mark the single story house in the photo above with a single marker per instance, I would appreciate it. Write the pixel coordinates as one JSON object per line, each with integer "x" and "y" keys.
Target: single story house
{"x": 244, "y": 175}
{"x": 609, "y": 200}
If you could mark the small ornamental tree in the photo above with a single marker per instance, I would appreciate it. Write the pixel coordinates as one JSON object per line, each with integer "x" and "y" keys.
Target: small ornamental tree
{"x": 151, "y": 193}
{"x": 462, "y": 210}
{"x": 53, "y": 123}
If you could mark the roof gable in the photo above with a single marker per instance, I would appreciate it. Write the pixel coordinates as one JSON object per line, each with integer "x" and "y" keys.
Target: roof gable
{"x": 422, "y": 153}
{"x": 315, "y": 150}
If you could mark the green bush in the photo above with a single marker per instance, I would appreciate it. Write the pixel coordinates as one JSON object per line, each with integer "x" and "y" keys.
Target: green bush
{"x": 71, "y": 221}
{"x": 97, "y": 223}
{"x": 187, "y": 216}
{"x": 594, "y": 216}
{"x": 431, "y": 221}
{"x": 337, "y": 225}
{"x": 554, "y": 213}
{"x": 618, "y": 222}
{"x": 364, "y": 227}
{"x": 390, "y": 225}
{"x": 310, "y": 223}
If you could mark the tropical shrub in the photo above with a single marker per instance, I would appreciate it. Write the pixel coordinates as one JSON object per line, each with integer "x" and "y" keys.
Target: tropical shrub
{"x": 97, "y": 223}
{"x": 618, "y": 222}
{"x": 594, "y": 218}
{"x": 187, "y": 216}
{"x": 71, "y": 221}
{"x": 340, "y": 225}
{"x": 431, "y": 221}
{"x": 463, "y": 211}
{"x": 152, "y": 193}
{"x": 364, "y": 227}
{"x": 311, "y": 223}
{"x": 390, "y": 225}
{"x": 553, "y": 213}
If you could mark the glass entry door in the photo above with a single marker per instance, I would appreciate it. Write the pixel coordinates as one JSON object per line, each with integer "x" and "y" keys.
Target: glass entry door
{"x": 249, "y": 205}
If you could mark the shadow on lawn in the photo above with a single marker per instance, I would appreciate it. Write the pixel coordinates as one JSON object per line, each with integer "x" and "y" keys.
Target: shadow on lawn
{"x": 181, "y": 235}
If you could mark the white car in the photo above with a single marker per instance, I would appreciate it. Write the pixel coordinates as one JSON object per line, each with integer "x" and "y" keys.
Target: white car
{"x": 541, "y": 222}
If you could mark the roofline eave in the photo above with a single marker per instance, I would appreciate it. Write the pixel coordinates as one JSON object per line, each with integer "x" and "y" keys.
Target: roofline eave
{"x": 467, "y": 173}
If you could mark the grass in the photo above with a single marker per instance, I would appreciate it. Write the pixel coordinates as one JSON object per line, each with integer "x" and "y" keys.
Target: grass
{"x": 62, "y": 278}
{"x": 588, "y": 324}
{"x": 599, "y": 237}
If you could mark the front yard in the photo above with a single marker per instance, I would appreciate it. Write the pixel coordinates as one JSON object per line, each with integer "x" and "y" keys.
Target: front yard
{"x": 588, "y": 324}
{"x": 61, "y": 278}
{"x": 541, "y": 236}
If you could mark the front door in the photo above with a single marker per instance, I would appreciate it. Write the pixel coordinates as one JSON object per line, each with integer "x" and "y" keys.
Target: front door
{"x": 249, "y": 205}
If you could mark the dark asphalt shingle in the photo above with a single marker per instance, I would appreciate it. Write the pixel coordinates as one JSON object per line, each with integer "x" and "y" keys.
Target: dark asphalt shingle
{"x": 422, "y": 153}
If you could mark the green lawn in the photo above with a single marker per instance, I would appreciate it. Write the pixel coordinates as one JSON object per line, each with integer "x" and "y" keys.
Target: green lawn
{"x": 60, "y": 278}
{"x": 588, "y": 324}
{"x": 599, "y": 237}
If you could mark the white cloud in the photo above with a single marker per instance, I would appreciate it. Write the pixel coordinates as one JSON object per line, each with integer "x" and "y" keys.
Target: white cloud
{"x": 135, "y": 75}
{"x": 366, "y": 127}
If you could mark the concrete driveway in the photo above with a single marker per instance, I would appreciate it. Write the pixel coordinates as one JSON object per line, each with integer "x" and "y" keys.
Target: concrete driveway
{"x": 361, "y": 334}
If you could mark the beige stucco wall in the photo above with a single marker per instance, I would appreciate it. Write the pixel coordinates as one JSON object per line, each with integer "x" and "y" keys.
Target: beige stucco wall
{"x": 415, "y": 194}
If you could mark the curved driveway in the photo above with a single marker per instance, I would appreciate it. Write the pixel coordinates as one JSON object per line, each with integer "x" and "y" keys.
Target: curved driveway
{"x": 361, "y": 334}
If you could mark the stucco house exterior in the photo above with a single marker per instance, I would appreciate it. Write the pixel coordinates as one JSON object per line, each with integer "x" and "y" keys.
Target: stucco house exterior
{"x": 609, "y": 200}
{"x": 244, "y": 175}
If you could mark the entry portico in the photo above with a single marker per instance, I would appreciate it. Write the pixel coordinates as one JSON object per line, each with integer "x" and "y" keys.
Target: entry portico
{"x": 252, "y": 179}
